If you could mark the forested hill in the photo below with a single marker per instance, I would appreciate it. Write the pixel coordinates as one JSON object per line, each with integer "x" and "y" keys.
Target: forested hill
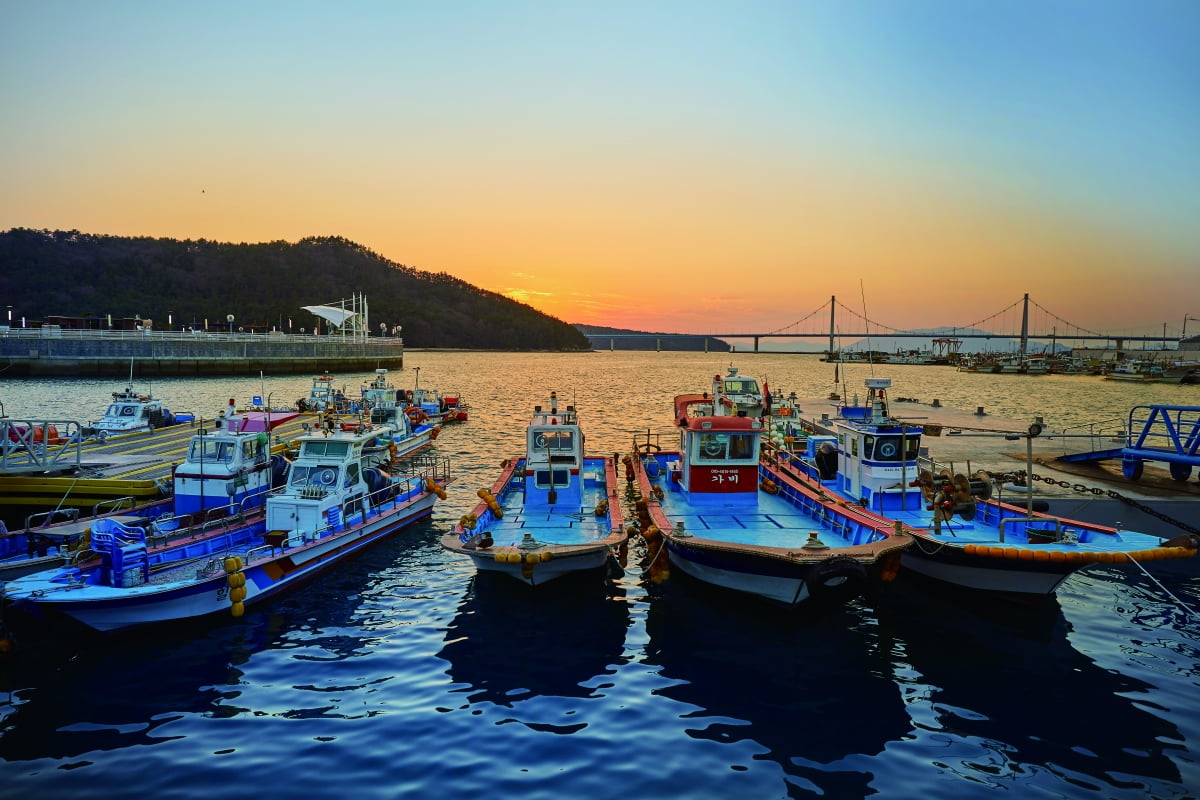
{"x": 73, "y": 274}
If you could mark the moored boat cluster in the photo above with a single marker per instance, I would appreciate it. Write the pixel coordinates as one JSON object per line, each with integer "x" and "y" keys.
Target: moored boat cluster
{"x": 746, "y": 493}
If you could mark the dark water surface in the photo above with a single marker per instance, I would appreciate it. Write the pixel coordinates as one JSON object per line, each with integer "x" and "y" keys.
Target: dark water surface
{"x": 401, "y": 674}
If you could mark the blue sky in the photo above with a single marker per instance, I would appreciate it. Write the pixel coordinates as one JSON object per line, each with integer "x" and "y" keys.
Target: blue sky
{"x": 530, "y": 147}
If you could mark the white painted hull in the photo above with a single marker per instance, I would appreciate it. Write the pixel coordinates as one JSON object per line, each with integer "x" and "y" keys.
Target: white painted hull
{"x": 1010, "y": 579}
{"x": 544, "y": 571}
{"x": 787, "y": 591}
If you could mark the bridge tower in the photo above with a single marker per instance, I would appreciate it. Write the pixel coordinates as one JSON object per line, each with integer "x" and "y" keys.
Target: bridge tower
{"x": 832, "y": 307}
{"x": 1025, "y": 326}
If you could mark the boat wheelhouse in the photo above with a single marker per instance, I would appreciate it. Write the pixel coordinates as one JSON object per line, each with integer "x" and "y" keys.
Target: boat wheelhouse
{"x": 744, "y": 394}
{"x": 132, "y": 411}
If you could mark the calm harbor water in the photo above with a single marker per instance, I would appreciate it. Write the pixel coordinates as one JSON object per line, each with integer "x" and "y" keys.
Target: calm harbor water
{"x": 402, "y": 674}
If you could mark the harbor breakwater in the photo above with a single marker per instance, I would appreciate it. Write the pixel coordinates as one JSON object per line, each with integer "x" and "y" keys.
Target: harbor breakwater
{"x": 50, "y": 352}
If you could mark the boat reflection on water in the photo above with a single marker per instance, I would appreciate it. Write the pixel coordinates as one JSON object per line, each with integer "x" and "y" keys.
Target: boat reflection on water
{"x": 506, "y": 644}
{"x": 816, "y": 691}
{"x": 1002, "y": 695}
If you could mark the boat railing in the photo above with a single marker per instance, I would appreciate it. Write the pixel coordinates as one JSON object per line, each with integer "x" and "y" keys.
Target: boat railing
{"x": 114, "y": 504}
{"x": 646, "y": 443}
{"x": 425, "y": 465}
{"x": 44, "y": 519}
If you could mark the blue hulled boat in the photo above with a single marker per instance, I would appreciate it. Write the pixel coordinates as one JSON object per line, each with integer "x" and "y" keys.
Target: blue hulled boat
{"x": 552, "y": 512}
{"x": 962, "y": 535}
{"x": 735, "y": 521}
{"x": 334, "y": 503}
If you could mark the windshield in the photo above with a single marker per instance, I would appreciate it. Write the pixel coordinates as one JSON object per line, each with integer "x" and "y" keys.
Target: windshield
{"x": 313, "y": 475}
{"x": 211, "y": 450}
{"x": 725, "y": 446}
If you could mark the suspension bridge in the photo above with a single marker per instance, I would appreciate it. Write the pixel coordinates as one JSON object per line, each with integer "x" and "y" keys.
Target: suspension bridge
{"x": 1024, "y": 321}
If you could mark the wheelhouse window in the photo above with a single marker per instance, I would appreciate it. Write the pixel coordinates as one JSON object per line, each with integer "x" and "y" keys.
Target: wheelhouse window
{"x": 325, "y": 448}
{"x": 561, "y": 441}
{"x": 313, "y": 475}
{"x": 211, "y": 450}
{"x": 724, "y": 446}
{"x": 890, "y": 448}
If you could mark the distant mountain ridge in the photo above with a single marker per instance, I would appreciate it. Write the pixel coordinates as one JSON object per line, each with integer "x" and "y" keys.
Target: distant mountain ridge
{"x": 264, "y": 285}
{"x": 603, "y": 338}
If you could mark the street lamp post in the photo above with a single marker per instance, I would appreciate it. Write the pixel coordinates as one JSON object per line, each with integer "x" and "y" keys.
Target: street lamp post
{"x": 229, "y": 319}
{"x": 1183, "y": 335}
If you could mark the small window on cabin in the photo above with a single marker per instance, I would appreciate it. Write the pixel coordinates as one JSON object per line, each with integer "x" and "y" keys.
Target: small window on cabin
{"x": 888, "y": 449}
{"x": 548, "y": 478}
{"x": 334, "y": 449}
{"x": 868, "y": 447}
{"x": 554, "y": 441}
{"x": 712, "y": 446}
{"x": 854, "y": 447}
{"x": 210, "y": 450}
{"x": 913, "y": 447}
{"x": 741, "y": 445}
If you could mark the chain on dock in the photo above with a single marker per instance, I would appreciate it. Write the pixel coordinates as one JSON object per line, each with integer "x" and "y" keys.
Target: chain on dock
{"x": 1019, "y": 479}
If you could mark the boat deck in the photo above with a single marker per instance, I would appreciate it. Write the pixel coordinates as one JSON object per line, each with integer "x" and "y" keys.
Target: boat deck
{"x": 564, "y": 523}
{"x": 127, "y": 465}
{"x": 761, "y": 519}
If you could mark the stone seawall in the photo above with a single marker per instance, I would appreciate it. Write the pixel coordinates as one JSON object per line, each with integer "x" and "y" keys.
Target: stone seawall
{"x": 32, "y": 353}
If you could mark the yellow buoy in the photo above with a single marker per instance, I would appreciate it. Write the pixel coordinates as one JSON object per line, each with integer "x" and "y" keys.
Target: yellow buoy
{"x": 236, "y": 579}
{"x": 237, "y": 594}
{"x": 237, "y": 609}
{"x": 233, "y": 564}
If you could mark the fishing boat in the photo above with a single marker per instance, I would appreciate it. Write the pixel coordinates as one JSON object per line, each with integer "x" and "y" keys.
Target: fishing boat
{"x": 552, "y": 512}
{"x": 744, "y": 395}
{"x": 409, "y": 428}
{"x": 736, "y": 521}
{"x": 131, "y": 411}
{"x": 1135, "y": 369}
{"x": 456, "y": 409}
{"x": 332, "y": 506}
{"x": 229, "y": 468}
{"x": 961, "y": 535}
{"x": 323, "y": 397}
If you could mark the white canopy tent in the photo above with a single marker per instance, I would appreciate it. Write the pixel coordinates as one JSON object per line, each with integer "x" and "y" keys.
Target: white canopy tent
{"x": 348, "y": 316}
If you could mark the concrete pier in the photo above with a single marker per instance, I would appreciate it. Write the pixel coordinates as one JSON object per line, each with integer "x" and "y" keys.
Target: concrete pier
{"x": 40, "y": 352}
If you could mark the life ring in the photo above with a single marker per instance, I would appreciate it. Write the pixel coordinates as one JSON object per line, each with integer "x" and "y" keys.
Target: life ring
{"x": 416, "y": 414}
{"x": 327, "y": 476}
{"x": 887, "y": 450}
{"x": 836, "y": 580}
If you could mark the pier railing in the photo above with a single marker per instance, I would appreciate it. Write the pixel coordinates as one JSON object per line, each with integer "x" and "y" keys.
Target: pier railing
{"x": 191, "y": 334}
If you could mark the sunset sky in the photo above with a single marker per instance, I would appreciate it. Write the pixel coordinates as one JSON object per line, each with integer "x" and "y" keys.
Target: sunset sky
{"x": 675, "y": 166}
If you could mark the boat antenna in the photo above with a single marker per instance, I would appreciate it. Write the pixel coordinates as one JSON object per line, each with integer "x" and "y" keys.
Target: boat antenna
{"x": 867, "y": 326}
